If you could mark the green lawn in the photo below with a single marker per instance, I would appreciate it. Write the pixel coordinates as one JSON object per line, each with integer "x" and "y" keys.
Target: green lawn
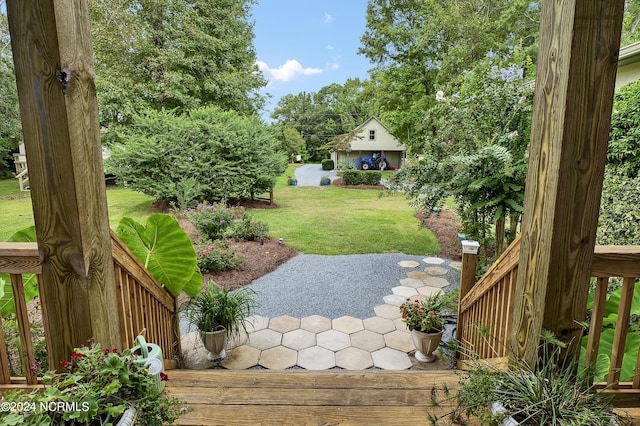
{"x": 327, "y": 220}
{"x": 333, "y": 220}
{"x": 16, "y": 211}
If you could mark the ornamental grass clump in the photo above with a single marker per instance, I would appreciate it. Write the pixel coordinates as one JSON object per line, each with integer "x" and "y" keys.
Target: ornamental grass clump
{"x": 424, "y": 315}
{"x": 553, "y": 392}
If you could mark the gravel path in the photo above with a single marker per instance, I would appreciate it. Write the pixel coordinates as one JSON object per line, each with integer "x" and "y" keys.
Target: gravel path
{"x": 334, "y": 286}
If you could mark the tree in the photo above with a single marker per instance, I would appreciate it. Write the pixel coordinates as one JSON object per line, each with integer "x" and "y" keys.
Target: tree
{"x": 289, "y": 142}
{"x": 10, "y": 126}
{"x": 319, "y": 117}
{"x": 174, "y": 54}
{"x": 206, "y": 154}
{"x": 422, "y": 46}
{"x": 477, "y": 154}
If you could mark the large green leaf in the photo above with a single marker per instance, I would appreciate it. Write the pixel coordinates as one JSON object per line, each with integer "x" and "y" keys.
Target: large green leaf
{"x": 613, "y": 301}
{"x": 165, "y": 250}
{"x": 7, "y": 306}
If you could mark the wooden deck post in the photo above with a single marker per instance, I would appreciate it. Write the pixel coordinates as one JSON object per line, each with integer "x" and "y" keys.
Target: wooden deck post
{"x": 467, "y": 274}
{"x": 53, "y": 59}
{"x": 577, "y": 59}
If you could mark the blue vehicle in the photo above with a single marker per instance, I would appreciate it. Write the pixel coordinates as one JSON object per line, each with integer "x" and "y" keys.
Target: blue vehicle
{"x": 374, "y": 162}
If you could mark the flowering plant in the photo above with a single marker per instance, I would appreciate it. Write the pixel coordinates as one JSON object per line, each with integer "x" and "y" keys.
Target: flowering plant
{"x": 424, "y": 315}
{"x": 95, "y": 387}
{"x": 216, "y": 256}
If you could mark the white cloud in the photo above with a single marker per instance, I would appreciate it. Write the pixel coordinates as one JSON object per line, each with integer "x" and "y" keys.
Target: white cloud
{"x": 327, "y": 18}
{"x": 330, "y": 47}
{"x": 290, "y": 70}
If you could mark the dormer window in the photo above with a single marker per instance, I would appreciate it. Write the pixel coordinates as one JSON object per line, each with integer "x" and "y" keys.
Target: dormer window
{"x": 372, "y": 135}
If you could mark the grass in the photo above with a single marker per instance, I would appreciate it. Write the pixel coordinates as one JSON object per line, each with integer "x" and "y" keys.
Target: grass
{"x": 334, "y": 220}
{"x": 329, "y": 220}
{"x": 16, "y": 212}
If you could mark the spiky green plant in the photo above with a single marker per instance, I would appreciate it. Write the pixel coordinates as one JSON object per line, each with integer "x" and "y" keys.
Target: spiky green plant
{"x": 216, "y": 306}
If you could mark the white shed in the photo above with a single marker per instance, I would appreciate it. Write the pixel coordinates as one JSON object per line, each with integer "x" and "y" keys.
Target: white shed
{"x": 372, "y": 137}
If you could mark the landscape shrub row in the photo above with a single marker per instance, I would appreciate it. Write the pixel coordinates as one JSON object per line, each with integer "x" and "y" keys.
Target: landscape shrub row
{"x": 360, "y": 177}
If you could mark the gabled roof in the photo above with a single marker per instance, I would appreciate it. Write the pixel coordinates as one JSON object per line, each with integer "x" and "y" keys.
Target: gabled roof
{"x": 373, "y": 117}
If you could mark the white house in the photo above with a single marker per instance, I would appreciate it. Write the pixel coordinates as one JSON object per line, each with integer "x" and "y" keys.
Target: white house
{"x": 372, "y": 137}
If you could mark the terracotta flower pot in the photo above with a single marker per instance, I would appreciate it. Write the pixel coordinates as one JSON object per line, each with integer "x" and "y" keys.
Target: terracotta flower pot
{"x": 425, "y": 344}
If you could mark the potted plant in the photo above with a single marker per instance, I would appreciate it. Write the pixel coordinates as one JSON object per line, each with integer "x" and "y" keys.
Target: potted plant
{"x": 291, "y": 181}
{"x": 95, "y": 387}
{"x": 426, "y": 323}
{"x": 219, "y": 313}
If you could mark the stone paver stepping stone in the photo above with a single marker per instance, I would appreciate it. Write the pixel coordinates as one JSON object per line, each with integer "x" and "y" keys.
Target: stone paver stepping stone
{"x": 257, "y": 322}
{"x": 316, "y": 358}
{"x": 379, "y": 325}
{"x": 284, "y": 323}
{"x": 436, "y": 270}
{"x": 367, "y": 340}
{"x": 433, "y": 260}
{"x": 265, "y": 339}
{"x": 399, "y": 325}
{"x": 399, "y": 340}
{"x": 395, "y": 300}
{"x": 429, "y": 291}
{"x": 414, "y": 282}
{"x": 455, "y": 265}
{"x": 387, "y": 311}
{"x": 408, "y": 264}
{"x": 241, "y": 358}
{"x": 298, "y": 339}
{"x": 315, "y": 323}
{"x": 404, "y": 291}
{"x": 419, "y": 275}
{"x": 436, "y": 282}
{"x": 354, "y": 359}
{"x": 347, "y": 324}
{"x": 278, "y": 358}
{"x": 391, "y": 359}
{"x": 333, "y": 340}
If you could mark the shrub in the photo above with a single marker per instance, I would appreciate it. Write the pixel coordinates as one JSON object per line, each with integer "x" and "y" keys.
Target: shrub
{"x": 327, "y": 164}
{"x": 619, "y": 221}
{"x": 247, "y": 229}
{"x": 624, "y": 137}
{"x": 216, "y": 256}
{"x": 361, "y": 177}
{"x": 352, "y": 177}
{"x": 345, "y": 164}
{"x": 371, "y": 177}
{"x": 211, "y": 220}
{"x": 230, "y": 155}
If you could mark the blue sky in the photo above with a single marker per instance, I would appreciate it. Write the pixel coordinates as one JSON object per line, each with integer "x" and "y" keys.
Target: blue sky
{"x": 304, "y": 45}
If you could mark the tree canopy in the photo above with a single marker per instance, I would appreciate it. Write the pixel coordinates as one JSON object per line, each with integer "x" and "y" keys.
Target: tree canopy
{"x": 174, "y": 54}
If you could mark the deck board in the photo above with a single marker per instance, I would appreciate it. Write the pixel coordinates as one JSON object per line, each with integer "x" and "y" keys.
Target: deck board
{"x": 220, "y": 397}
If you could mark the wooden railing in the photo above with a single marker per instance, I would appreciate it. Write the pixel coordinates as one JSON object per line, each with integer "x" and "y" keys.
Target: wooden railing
{"x": 145, "y": 305}
{"x": 486, "y": 311}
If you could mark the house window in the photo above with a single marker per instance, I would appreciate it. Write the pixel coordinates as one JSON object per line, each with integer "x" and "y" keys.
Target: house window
{"x": 372, "y": 135}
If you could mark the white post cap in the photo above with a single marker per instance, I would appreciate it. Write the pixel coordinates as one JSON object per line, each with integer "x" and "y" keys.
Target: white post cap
{"x": 470, "y": 247}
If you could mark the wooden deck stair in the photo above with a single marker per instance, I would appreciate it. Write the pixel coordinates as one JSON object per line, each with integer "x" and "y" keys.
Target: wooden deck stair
{"x": 223, "y": 397}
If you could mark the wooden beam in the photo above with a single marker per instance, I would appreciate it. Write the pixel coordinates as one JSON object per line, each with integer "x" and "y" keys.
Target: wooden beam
{"x": 53, "y": 59}
{"x": 577, "y": 59}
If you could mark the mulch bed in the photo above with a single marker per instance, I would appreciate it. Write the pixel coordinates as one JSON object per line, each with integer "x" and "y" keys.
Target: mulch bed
{"x": 446, "y": 226}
